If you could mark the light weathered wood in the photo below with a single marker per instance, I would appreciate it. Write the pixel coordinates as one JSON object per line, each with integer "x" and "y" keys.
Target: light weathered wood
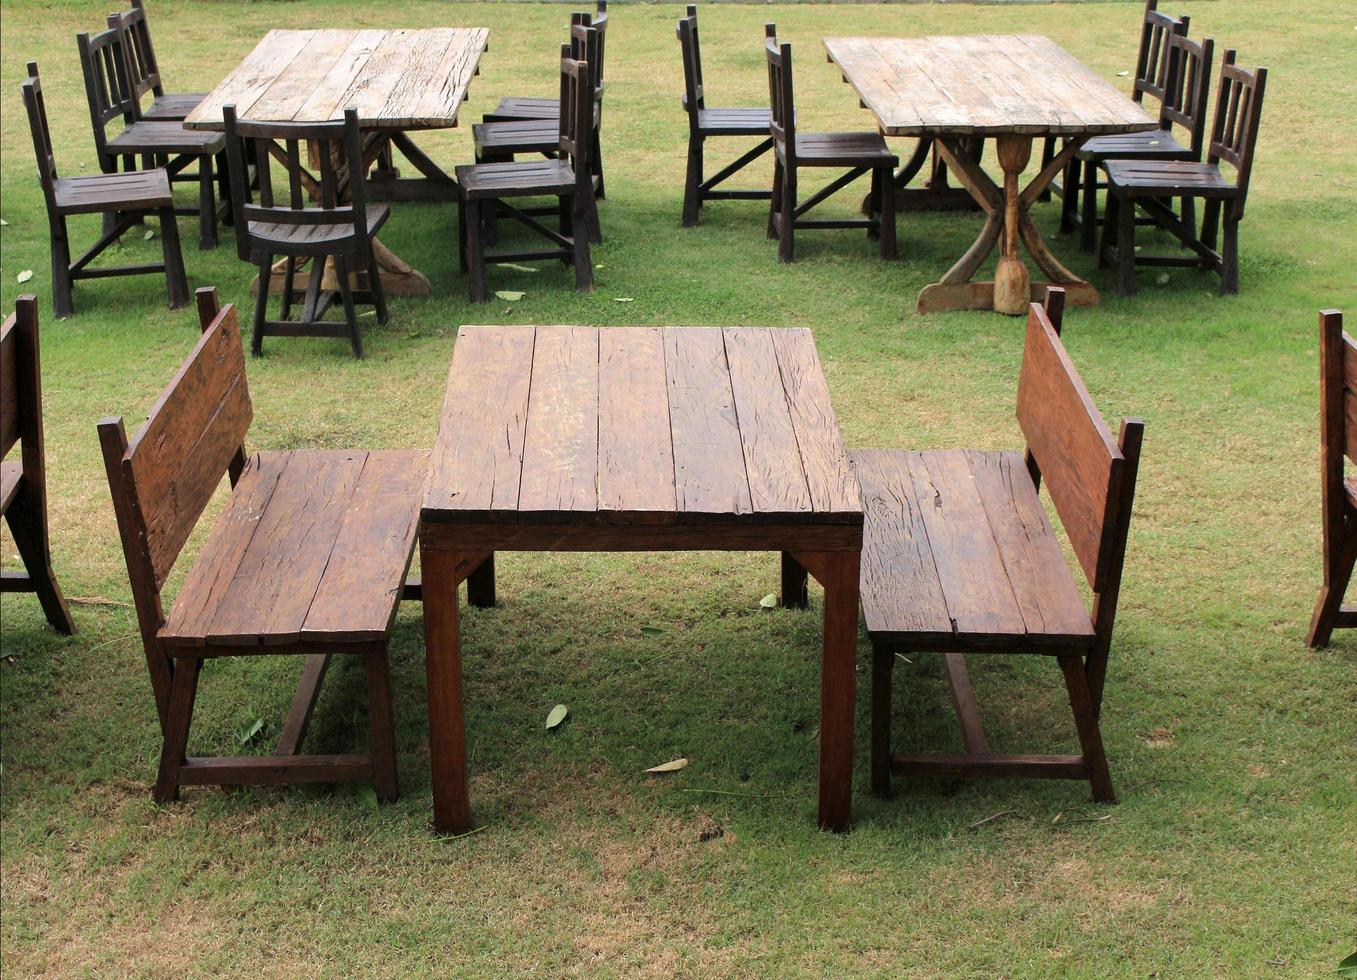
{"x": 560, "y": 450}
{"x": 635, "y": 447}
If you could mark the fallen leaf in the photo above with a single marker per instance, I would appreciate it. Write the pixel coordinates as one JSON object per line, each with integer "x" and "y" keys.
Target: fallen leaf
{"x": 517, "y": 267}
{"x": 247, "y": 732}
{"x": 97, "y": 600}
{"x": 366, "y": 794}
{"x": 509, "y": 295}
{"x": 769, "y": 601}
{"x": 651, "y": 631}
{"x": 1162, "y": 279}
{"x": 1122, "y": 74}
{"x": 24, "y": 276}
{"x": 3, "y": 223}
{"x": 150, "y": 233}
{"x": 622, "y": 299}
{"x": 674, "y": 766}
{"x": 556, "y": 716}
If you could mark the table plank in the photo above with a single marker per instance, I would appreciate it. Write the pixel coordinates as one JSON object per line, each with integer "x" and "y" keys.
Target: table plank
{"x": 560, "y": 448}
{"x": 635, "y": 445}
{"x": 478, "y": 456}
{"x": 709, "y": 469}
{"x": 249, "y": 79}
{"x": 312, "y": 68}
{"x": 327, "y": 100}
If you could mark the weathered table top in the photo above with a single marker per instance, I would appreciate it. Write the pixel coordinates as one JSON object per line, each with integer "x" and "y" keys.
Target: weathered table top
{"x": 396, "y": 79}
{"x": 639, "y": 425}
{"x": 981, "y": 85}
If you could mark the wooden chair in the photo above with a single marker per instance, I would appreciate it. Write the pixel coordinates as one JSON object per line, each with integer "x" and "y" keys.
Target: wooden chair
{"x": 861, "y": 153}
{"x": 1338, "y": 492}
{"x": 339, "y": 225}
{"x": 1145, "y": 184}
{"x": 145, "y": 69}
{"x": 23, "y": 482}
{"x": 523, "y": 108}
{"x": 959, "y": 557}
{"x": 122, "y": 198}
{"x": 704, "y": 122}
{"x": 111, "y": 95}
{"x": 1150, "y": 77}
{"x": 1183, "y": 103}
{"x": 566, "y": 177}
{"x": 308, "y": 558}
{"x": 500, "y": 142}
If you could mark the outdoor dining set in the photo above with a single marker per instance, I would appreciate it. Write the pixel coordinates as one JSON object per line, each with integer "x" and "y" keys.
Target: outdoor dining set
{"x": 628, "y": 439}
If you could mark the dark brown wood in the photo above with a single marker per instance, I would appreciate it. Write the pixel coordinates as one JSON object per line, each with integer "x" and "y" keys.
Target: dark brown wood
{"x": 861, "y": 153}
{"x": 639, "y": 439}
{"x": 1338, "y": 521}
{"x": 123, "y": 199}
{"x": 959, "y": 556}
{"x": 23, "y": 482}
{"x": 145, "y": 69}
{"x": 309, "y": 557}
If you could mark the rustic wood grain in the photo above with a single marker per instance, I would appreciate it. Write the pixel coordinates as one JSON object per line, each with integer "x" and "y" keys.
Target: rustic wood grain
{"x": 777, "y": 478}
{"x": 560, "y": 448}
{"x": 635, "y": 447}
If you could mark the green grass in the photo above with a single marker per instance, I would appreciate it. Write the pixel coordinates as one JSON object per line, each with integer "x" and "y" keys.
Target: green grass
{"x": 1232, "y": 744}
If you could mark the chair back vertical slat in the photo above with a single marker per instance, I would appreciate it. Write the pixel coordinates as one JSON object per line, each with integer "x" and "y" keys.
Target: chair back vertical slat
{"x": 780, "y": 95}
{"x": 1153, "y": 64}
{"x": 36, "y": 107}
{"x": 21, "y": 396}
{"x": 693, "y": 94}
{"x": 293, "y": 166}
{"x": 1189, "y": 89}
{"x": 1234, "y": 133}
{"x": 1072, "y": 447}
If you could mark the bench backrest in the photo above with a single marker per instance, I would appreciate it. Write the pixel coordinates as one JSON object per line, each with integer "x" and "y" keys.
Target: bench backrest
{"x": 1189, "y": 88}
{"x": 1234, "y": 132}
{"x": 694, "y": 98}
{"x": 20, "y": 384}
{"x": 1153, "y": 65}
{"x": 1337, "y": 438}
{"x": 1089, "y": 475}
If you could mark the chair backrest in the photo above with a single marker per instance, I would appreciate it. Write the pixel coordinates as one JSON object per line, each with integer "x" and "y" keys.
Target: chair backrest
{"x": 142, "y": 66}
{"x": 324, "y": 189}
{"x": 36, "y": 107}
{"x": 1089, "y": 475}
{"x": 1189, "y": 88}
{"x": 595, "y": 56}
{"x": 21, "y": 388}
{"x": 586, "y": 44}
{"x": 108, "y": 91}
{"x": 1153, "y": 65}
{"x": 1234, "y": 132}
{"x": 1337, "y": 439}
{"x": 577, "y": 114}
{"x": 781, "y": 99}
{"x": 694, "y": 99}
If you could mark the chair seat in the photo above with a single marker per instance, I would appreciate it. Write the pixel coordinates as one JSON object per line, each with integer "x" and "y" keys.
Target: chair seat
{"x": 1157, "y": 144}
{"x": 516, "y": 179}
{"x": 312, "y": 546}
{"x": 958, "y": 553}
{"x": 166, "y": 137}
{"x": 733, "y": 122}
{"x": 843, "y": 150}
{"x": 517, "y": 136}
{"x": 519, "y": 107}
{"x": 173, "y": 106}
{"x": 11, "y": 474}
{"x": 316, "y": 239}
{"x": 137, "y": 190}
{"x": 1156, "y": 178}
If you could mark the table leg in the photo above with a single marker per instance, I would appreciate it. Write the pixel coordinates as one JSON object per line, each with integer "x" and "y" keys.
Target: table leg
{"x": 837, "y": 572}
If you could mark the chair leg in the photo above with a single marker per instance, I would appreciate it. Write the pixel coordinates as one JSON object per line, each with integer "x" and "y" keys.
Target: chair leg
{"x": 888, "y": 242}
{"x": 692, "y": 182}
{"x": 584, "y": 266}
{"x": 596, "y": 163}
{"x": 874, "y": 206}
{"x": 1090, "y": 738}
{"x": 1229, "y": 258}
{"x": 63, "y": 300}
{"x": 376, "y": 288}
{"x": 176, "y": 280}
{"x": 461, "y": 235}
{"x": 1126, "y": 248}
{"x": 1069, "y": 200}
{"x": 883, "y": 663}
{"x": 775, "y": 201}
{"x": 289, "y": 278}
{"x": 207, "y": 205}
{"x": 786, "y": 242}
{"x": 475, "y": 254}
{"x": 1188, "y": 216}
{"x": 183, "y": 691}
{"x": 261, "y": 301}
{"x": 1088, "y": 218}
{"x": 381, "y": 729}
{"x": 342, "y": 273}
{"x": 1210, "y": 222}
{"x": 224, "y": 189}
{"x": 27, "y": 527}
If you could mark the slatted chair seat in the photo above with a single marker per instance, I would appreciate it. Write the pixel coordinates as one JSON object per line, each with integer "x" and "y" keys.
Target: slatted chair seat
{"x": 324, "y": 239}
{"x": 519, "y": 136}
{"x": 1156, "y": 178}
{"x": 139, "y": 190}
{"x": 957, "y": 549}
{"x": 165, "y": 137}
{"x": 520, "y": 107}
{"x": 733, "y": 122}
{"x": 174, "y": 107}
{"x": 1157, "y": 144}
{"x": 312, "y": 547}
{"x": 516, "y": 179}
{"x": 843, "y": 150}
{"x": 11, "y": 475}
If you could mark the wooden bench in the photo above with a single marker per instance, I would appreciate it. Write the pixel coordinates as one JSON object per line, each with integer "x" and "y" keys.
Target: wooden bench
{"x": 308, "y": 557}
{"x": 23, "y": 481}
{"x": 960, "y": 557}
{"x": 1338, "y": 493}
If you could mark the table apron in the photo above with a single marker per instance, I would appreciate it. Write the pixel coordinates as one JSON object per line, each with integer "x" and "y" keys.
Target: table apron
{"x": 640, "y": 537}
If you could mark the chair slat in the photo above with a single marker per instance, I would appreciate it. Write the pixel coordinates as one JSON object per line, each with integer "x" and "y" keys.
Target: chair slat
{"x": 9, "y": 385}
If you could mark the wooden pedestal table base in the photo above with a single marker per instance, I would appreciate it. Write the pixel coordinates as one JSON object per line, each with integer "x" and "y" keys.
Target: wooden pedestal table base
{"x": 1007, "y": 219}
{"x": 398, "y": 277}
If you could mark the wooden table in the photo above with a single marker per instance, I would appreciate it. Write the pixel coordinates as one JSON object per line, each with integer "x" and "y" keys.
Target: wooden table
{"x": 638, "y": 439}
{"x": 1014, "y": 88}
{"x": 398, "y": 80}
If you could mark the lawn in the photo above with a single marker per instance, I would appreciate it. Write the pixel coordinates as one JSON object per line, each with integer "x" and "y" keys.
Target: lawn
{"x": 1233, "y": 746}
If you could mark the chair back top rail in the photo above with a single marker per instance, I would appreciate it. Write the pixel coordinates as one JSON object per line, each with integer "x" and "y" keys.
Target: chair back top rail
{"x": 1189, "y": 88}
{"x": 576, "y": 113}
{"x": 694, "y": 98}
{"x": 1234, "y": 131}
{"x": 141, "y": 60}
{"x": 780, "y": 94}
{"x": 1085, "y": 469}
{"x": 36, "y": 106}
{"x": 1153, "y": 64}
{"x": 20, "y": 381}
{"x": 324, "y": 188}
{"x": 194, "y": 436}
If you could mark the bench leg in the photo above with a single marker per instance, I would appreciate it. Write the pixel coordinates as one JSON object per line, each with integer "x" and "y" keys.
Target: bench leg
{"x": 794, "y": 593}
{"x": 303, "y": 703}
{"x": 380, "y": 724}
{"x": 183, "y": 691}
{"x": 883, "y": 667}
{"x": 26, "y": 525}
{"x": 1331, "y": 595}
{"x": 441, "y": 575}
{"x": 1090, "y": 738}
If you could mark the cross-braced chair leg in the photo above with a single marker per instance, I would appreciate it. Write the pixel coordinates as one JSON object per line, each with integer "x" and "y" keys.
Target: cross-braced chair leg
{"x": 63, "y": 299}
{"x": 342, "y": 270}
{"x": 261, "y": 304}
{"x": 691, "y": 195}
{"x": 1090, "y": 738}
